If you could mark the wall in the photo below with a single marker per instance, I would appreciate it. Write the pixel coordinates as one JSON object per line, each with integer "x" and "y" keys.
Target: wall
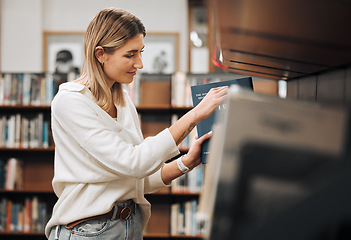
{"x": 21, "y": 36}
{"x": 23, "y": 22}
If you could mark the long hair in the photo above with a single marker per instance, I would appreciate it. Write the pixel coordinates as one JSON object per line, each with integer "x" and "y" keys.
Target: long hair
{"x": 111, "y": 28}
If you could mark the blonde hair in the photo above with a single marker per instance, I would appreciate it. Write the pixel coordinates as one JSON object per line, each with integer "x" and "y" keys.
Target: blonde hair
{"x": 111, "y": 28}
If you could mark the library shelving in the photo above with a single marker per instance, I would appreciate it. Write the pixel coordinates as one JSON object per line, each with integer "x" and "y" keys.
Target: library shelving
{"x": 160, "y": 99}
{"x": 25, "y": 202}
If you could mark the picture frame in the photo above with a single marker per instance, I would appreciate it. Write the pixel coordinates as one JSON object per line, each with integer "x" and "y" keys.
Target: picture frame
{"x": 68, "y": 43}
{"x": 161, "y": 53}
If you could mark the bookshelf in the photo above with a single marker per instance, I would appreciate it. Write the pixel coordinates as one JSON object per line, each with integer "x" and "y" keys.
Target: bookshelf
{"x": 156, "y": 103}
{"x": 37, "y": 173}
{"x": 26, "y": 201}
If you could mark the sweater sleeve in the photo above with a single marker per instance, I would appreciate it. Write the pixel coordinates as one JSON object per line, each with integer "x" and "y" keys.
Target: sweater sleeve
{"x": 154, "y": 182}
{"x": 110, "y": 146}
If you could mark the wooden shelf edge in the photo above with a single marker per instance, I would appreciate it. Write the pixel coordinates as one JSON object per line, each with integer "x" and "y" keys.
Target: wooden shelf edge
{"x": 36, "y": 149}
{"x": 170, "y": 236}
{"x": 163, "y": 108}
{"x": 49, "y": 192}
{"x": 18, "y": 106}
{"x": 186, "y": 236}
{"x": 156, "y": 235}
{"x": 22, "y": 233}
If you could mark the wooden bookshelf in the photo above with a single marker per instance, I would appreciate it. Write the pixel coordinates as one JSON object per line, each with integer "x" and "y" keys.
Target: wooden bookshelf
{"x": 155, "y": 110}
{"x": 282, "y": 39}
{"x": 35, "y": 158}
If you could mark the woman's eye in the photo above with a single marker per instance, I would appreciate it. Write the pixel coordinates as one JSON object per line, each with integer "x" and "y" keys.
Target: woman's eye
{"x": 130, "y": 56}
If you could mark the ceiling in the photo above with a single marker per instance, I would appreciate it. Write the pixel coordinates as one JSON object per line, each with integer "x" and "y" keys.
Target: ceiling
{"x": 286, "y": 39}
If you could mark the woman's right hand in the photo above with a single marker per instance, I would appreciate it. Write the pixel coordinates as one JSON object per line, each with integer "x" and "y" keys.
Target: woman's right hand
{"x": 211, "y": 101}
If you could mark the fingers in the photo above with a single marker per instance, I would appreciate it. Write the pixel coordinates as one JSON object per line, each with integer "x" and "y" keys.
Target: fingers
{"x": 219, "y": 91}
{"x": 205, "y": 137}
{"x": 223, "y": 89}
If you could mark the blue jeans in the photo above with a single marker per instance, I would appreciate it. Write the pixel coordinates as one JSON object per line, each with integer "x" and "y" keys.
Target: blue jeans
{"x": 106, "y": 229}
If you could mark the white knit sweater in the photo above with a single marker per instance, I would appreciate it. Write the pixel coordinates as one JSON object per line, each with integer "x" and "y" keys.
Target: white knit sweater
{"x": 99, "y": 160}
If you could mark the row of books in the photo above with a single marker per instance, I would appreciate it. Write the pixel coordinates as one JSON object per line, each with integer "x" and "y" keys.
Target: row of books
{"x": 28, "y": 216}
{"x": 25, "y": 131}
{"x": 183, "y": 219}
{"x": 28, "y": 88}
{"x": 11, "y": 174}
{"x": 189, "y": 183}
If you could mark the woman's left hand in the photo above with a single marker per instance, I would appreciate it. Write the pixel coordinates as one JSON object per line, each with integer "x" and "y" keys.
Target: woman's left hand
{"x": 193, "y": 157}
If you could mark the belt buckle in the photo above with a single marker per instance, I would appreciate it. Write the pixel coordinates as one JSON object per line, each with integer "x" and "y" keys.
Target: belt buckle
{"x": 125, "y": 213}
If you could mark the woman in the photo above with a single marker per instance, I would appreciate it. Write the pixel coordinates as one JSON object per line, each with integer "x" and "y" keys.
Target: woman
{"x": 103, "y": 166}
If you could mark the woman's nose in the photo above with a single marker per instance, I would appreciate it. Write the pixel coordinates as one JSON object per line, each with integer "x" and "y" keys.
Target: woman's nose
{"x": 139, "y": 63}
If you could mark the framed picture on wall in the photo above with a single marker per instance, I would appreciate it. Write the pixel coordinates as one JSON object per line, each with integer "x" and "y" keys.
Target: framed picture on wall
{"x": 161, "y": 53}
{"x": 63, "y": 52}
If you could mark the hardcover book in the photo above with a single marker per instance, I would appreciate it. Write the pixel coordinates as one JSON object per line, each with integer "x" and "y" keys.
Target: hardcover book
{"x": 198, "y": 92}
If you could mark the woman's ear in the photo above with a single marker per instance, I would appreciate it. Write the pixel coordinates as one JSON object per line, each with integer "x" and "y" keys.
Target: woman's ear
{"x": 99, "y": 54}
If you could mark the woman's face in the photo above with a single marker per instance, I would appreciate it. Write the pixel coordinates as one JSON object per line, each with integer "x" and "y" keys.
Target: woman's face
{"x": 121, "y": 65}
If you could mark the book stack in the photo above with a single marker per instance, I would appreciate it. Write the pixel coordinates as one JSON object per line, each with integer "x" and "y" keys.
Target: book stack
{"x": 11, "y": 174}
{"x": 189, "y": 183}
{"x": 28, "y": 216}
{"x": 28, "y": 88}
{"x": 183, "y": 219}
{"x": 24, "y": 131}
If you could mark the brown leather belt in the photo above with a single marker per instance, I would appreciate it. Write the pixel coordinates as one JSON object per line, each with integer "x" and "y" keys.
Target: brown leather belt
{"x": 123, "y": 213}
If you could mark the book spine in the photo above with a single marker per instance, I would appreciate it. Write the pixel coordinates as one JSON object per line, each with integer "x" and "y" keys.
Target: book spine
{"x": 27, "y": 215}
{"x": 19, "y": 89}
{"x": 187, "y": 218}
{"x": 49, "y": 88}
{"x": 2, "y": 174}
{"x": 8, "y": 216}
{"x": 174, "y": 218}
{"x": 3, "y": 214}
{"x": 2, "y": 89}
{"x": 10, "y": 132}
{"x": 45, "y": 134}
{"x": 7, "y": 88}
{"x": 18, "y": 130}
{"x": 13, "y": 91}
{"x": 3, "y": 123}
{"x": 26, "y": 89}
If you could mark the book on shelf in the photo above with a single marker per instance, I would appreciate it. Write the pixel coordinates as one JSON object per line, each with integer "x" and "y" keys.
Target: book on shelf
{"x": 11, "y": 174}
{"x": 199, "y": 92}
{"x": 189, "y": 183}
{"x": 27, "y": 130}
{"x": 28, "y": 88}
{"x": 183, "y": 218}
{"x": 30, "y": 215}
{"x": 180, "y": 96}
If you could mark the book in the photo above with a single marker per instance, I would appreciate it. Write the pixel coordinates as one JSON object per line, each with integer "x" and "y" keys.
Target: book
{"x": 198, "y": 92}
{"x": 14, "y": 174}
{"x": 183, "y": 218}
